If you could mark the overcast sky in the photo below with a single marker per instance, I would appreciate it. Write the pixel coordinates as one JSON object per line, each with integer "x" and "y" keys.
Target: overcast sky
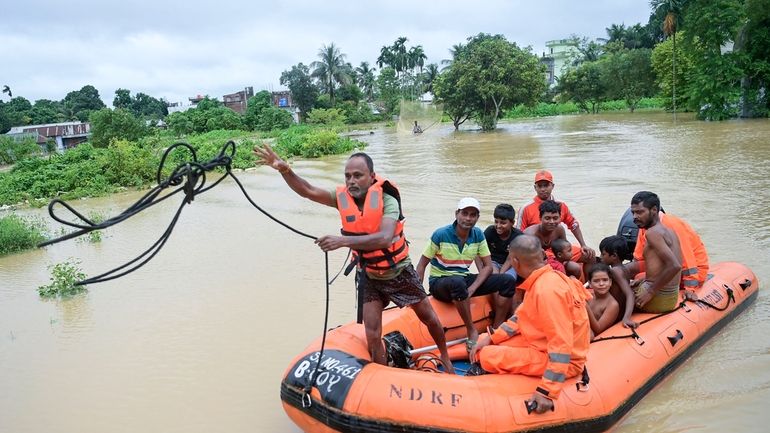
{"x": 176, "y": 49}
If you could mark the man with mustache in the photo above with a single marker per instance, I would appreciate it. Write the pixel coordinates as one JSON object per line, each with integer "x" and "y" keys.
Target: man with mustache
{"x": 373, "y": 227}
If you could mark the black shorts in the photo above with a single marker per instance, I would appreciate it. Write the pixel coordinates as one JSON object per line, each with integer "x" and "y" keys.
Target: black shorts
{"x": 405, "y": 289}
{"x": 455, "y": 287}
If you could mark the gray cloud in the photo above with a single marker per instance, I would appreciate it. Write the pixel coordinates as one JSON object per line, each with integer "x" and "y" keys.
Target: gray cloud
{"x": 176, "y": 49}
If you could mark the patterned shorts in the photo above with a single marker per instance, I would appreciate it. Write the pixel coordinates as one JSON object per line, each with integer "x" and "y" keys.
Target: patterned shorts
{"x": 405, "y": 289}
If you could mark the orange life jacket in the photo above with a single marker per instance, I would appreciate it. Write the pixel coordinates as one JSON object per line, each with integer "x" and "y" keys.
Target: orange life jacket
{"x": 365, "y": 221}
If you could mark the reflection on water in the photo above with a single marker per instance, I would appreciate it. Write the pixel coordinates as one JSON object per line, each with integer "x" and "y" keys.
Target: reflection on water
{"x": 198, "y": 339}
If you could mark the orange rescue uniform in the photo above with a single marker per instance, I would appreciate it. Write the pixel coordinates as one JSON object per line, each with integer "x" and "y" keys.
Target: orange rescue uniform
{"x": 695, "y": 259}
{"x": 548, "y": 336}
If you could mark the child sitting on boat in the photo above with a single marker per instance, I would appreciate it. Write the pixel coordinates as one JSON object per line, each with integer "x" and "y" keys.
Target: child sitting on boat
{"x": 613, "y": 249}
{"x": 603, "y": 308}
{"x": 562, "y": 252}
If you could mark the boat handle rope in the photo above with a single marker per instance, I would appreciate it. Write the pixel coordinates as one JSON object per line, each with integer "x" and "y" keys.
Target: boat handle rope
{"x": 682, "y": 305}
{"x": 191, "y": 176}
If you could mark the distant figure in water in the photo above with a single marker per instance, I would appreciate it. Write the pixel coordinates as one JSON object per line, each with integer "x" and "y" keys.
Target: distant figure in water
{"x": 416, "y": 129}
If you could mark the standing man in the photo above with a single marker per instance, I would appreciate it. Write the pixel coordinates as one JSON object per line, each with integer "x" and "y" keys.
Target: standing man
{"x": 373, "y": 227}
{"x": 529, "y": 214}
{"x": 659, "y": 291}
{"x": 550, "y": 333}
{"x": 450, "y": 251}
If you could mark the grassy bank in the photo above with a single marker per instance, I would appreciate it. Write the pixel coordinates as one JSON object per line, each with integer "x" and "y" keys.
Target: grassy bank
{"x": 88, "y": 171}
{"x": 543, "y": 109}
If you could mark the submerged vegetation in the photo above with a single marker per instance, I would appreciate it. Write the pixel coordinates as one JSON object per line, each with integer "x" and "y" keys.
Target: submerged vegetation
{"x": 64, "y": 275}
{"x": 18, "y": 233}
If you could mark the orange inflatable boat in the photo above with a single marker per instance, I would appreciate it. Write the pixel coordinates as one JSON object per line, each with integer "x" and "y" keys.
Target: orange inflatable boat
{"x": 352, "y": 394}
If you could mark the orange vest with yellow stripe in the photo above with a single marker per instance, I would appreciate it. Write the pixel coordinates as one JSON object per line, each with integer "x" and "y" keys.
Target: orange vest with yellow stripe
{"x": 365, "y": 221}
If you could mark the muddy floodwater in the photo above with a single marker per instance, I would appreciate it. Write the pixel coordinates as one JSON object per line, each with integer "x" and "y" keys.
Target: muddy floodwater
{"x": 198, "y": 339}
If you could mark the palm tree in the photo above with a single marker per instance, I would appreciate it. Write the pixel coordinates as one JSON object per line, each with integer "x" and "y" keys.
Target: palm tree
{"x": 400, "y": 56}
{"x": 616, "y": 32}
{"x": 366, "y": 79}
{"x": 330, "y": 69}
{"x": 417, "y": 57}
{"x": 430, "y": 75}
{"x": 7, "y": 90}
{"x": 454, "y": 51}
{"x": 386, "y": 57}
{"x": 673, "y": 12}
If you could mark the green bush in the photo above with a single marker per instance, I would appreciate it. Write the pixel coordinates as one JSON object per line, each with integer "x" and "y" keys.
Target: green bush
{"x": 18, "y": 233}
{"x": 119, "y": 124}
{"x": 309, "y": 142}
{"x": 12, "y": 150}
{"x": 63, "y": 278}
{"x": 326, "y": 116}
{"x": 273, "y": 118}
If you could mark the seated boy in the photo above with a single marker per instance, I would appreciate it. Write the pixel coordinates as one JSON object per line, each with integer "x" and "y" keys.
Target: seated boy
{"x": 613, "y": 249}
{"x": 602, "y": 308}
{"x": 562, "y": 252}
{"x": 499, "y": 235}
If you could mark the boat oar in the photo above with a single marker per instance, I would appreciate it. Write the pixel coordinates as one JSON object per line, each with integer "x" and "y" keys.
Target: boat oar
{"x": 434, "y": 347}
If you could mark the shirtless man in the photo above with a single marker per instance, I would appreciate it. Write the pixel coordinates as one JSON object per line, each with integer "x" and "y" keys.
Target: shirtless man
{"x": 659, "y": 291}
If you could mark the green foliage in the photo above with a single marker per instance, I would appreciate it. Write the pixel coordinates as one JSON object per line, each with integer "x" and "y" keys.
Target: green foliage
{"x": 13, "y": 150}
{"x": 142, "y": 105}
{"x": 329, "y": 117}
{"x": 628, "y": 75}
{"x": 662, "y": 64}
{"x": 303, "y": 92}
{"x": 543, "y": 109}
{"x": 79, "y": 104}
{"x": 126, "y": 164}
{"x": 357, "y": 113}
{"x": 63, "y": 278}
{"x": 16, "y": 112}
{"x": 119, "y": 124}
{"x": 309, "y": 142}
{"x": 331, "y": 69}
{"x": 222, "y": 118}
{"x": 18, "y": 233}
{"x": 585, "y": 85}
{"x": 487, "y": 76}
{"x": 274, "y": 118}
{"x": 46, "y": 111}
{"x": 389, "y": 90}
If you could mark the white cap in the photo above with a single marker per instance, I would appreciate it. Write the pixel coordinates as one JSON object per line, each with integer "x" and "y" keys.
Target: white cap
{"x": 468, "y": 202}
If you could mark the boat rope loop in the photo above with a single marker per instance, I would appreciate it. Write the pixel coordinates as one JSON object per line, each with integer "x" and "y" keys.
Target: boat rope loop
{"x": 188, "y": 178}
{"x": 682, "y": 305}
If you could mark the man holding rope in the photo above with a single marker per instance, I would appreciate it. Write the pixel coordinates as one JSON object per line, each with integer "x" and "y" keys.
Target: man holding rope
{"x": 373, "y": 227}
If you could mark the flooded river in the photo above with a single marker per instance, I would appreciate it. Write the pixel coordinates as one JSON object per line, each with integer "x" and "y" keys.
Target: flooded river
{"x": 198, "y": 339}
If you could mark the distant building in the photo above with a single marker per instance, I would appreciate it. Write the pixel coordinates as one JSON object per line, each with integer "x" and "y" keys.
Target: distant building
{"x": 239, "y": 100}
{"x": 559, "y": 54}
{"x": 65, "y": 135}
{"x": 282, "y": 99}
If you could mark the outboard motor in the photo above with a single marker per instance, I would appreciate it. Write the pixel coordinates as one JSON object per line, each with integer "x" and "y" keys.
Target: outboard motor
{"x": 629, "y": 231}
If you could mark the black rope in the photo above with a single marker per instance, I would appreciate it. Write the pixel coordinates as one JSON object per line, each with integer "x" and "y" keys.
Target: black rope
{"x": 190, "y": 178}
{"x": 633, "y": 334}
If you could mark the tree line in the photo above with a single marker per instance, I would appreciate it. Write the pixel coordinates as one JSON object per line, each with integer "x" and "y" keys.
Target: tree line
{"x": 711, "y": 57}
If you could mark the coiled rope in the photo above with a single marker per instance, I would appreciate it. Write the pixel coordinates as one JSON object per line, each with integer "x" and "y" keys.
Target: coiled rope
{"x": 189, "y": 178}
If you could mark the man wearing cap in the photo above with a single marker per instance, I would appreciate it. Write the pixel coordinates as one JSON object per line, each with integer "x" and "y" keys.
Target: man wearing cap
{"x": 373, "y": 227}
{"x": 529, "y": 214}
{"x": 450, "y": 251}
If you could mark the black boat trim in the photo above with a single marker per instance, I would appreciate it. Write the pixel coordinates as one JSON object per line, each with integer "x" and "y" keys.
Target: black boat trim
{"x": 350, "y": 423}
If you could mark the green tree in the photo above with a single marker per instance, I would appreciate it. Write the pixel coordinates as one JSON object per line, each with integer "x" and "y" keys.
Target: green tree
{"x": 272, "y": 118}
{"x": 661, "y": 60}
{"x": 46, "y": 111}
{"x": 585, "y": 85}
{"x": 628, "y": 75}
{"x": 222, "y": 118}
{"x": 389, "y": 90}
{"x": 254, "y": 106}
{"x": 457, "y": 95}
{"x": 79, "y": 104}
{"x": 716, "y": 74}
{"x": 502, "y": 74}
{"x": 330, "y": 69}
{"x": 366, "y": 79}
{"x": 303, "y": 91}
{"x": 672, "y": 12}
{"x": 18, "y": 112}
{"x": 119, "y": 124}
{"x": 123, "y": 99}
{"x": 754, "y": 44}
{"x": 429, "y": 77}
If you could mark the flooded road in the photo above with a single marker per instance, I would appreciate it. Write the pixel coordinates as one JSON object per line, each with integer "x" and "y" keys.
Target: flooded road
{"x": 198, "y": 339}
